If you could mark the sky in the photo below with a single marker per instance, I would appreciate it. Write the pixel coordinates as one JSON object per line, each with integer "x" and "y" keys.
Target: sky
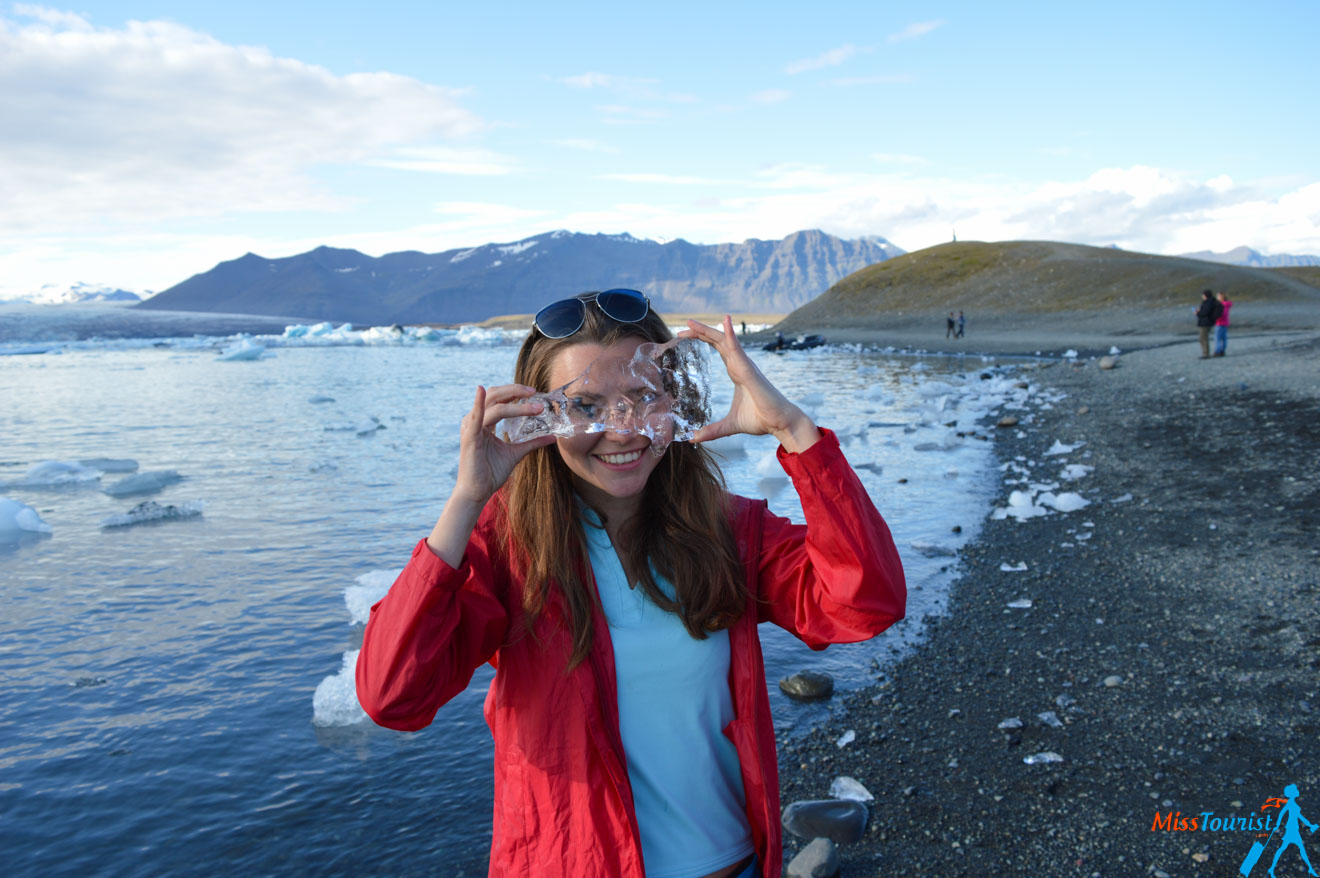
{"x": 143, "y": 142}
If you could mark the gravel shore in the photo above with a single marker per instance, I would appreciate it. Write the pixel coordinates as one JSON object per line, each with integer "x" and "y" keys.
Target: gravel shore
{"x": 1178, "y": 645}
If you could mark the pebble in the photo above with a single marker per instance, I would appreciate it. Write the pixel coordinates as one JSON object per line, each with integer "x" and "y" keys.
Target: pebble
{"x": 807, "y": 685}
{"x": 1007, "y": 421}
{"x": 1113, "y": 680}
{"x": 820, "y": 859}
{"x": 840, "y": 820}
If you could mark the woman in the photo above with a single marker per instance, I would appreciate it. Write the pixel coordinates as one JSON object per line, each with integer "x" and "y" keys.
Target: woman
{"x": 617, "y": 592}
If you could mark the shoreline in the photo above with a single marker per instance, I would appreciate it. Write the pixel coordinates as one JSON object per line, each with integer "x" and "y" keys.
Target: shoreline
{"x": 1196, "y": 600}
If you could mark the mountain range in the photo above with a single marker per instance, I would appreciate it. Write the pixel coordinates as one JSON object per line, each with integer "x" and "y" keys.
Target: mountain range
{"x": 470, "y": 285}
{"x": 75, "y": 294}
{"x": 1253, "y": 258}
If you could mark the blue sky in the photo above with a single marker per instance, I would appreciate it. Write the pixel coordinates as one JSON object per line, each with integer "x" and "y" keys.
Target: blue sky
{"x": 142, "y": 142}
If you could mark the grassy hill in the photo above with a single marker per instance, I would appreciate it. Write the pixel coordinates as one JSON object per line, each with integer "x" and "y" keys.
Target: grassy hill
{"x": 1035, "y": 278}
{"x": 1306, "y": 273}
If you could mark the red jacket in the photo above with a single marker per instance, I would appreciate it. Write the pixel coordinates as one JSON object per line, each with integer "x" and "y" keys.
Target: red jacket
{"x": 563, "y": 805}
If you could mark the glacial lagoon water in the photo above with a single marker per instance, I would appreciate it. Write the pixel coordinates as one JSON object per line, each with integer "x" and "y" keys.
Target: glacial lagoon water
{"x": 159, "y": 682}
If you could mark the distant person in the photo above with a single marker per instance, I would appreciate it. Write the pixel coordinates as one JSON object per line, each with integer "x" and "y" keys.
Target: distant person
{"x": 950, "y": 326}
{"x": 1206, "y": 315}
{"x": 1221, "y": 325}
{"x": 962, "y": 324}
{"x": 744, "y": 327}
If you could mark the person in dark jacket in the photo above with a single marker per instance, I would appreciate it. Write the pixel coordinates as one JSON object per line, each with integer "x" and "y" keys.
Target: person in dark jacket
{"x": 1206, "y": 314}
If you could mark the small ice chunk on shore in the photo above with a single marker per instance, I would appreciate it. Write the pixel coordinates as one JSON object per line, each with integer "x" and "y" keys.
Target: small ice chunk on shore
{"x": 150, "y": 510}
{"x": 1012, "y": 722}
{"x": 17, "y": 519}
{"x": 143, "y": 483}
{"x": 1074, "y": 471}
{"x": 1009, "y": 568}
{"x": 1059, "y": 448}
{"x": 1021, "y": 604}
{"x": 1065, "y": 502}
{"x": 1123, "y": 499}
{"x": 846, "y": 738}
{"x": 850, "y": 789}
{"x": 1042, "y": 758}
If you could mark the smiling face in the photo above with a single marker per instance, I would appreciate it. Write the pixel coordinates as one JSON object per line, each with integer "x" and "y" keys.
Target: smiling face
{"x": 610, "y": 468}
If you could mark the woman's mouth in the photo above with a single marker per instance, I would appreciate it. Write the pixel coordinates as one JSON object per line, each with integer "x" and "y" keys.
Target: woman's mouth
{"x": 621, "y": 459}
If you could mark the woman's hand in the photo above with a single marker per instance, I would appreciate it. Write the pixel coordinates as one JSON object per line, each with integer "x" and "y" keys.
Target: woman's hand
{"x": 758, "y": 407}
{"x": 484, "y": 459}
{"x": 484, "y": 464}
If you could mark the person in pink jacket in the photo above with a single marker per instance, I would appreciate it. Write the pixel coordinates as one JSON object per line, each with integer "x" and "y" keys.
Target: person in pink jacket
{"x": 1221, "y": 324}
{"x": 617, "y": 591}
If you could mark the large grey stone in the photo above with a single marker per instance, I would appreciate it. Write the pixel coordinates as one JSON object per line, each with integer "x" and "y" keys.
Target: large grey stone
{"x": 820, "y": 859}
{"x": 808, "y": 685}
{"x": 839, "y": 820}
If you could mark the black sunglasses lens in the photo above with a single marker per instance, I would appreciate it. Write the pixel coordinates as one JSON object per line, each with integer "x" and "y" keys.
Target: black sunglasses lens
{"x": 561, "y": 319}
{"x": 625, "y": 306}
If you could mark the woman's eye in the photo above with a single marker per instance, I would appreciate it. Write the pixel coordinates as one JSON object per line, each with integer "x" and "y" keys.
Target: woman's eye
{"x": 583, "y": 407}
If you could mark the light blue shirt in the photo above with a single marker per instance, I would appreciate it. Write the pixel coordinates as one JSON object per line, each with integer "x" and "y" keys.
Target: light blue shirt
{"x": 674, "y": 703}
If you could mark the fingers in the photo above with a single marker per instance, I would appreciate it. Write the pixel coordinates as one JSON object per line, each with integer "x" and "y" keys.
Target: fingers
{"x": 497, "y": 412}
{"x": 509, "y": 392}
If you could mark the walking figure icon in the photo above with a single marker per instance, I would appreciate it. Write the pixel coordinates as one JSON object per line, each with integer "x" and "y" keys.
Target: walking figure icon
{"x": 1291, "y": 814}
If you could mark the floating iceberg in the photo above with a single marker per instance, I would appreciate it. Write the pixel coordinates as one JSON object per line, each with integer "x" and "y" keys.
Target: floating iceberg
{"x": 150, "y": 510}
{"x": 56, "y": 474}
{"x": 143, "y": 483}
{"x": 18, "y": 520}
{"x": 335, "y": 701}
{"x": 371, "y": 587}
{"x": 243, "y": 349}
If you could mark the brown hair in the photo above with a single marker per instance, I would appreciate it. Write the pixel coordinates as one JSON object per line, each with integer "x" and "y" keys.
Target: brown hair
{"x": 682, "y": 531}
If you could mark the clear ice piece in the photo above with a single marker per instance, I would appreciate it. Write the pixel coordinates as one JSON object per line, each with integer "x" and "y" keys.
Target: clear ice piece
{"x": 662, "y": 392}
{"x": 845, "y": 787}
{"x": 1042, "y": 758}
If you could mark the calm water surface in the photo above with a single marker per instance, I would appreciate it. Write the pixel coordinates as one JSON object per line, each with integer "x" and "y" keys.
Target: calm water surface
{"x": 157, "y": 681}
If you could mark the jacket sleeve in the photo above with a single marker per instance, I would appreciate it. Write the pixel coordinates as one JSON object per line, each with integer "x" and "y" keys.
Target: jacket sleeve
{"x": 434, "y": 627}
{"x": 838, "y": 578}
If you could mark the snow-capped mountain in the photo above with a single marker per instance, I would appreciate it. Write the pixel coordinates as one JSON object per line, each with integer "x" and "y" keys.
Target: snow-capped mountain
{"x": 74, "y": 294}
{"x": 1253, "y": 258}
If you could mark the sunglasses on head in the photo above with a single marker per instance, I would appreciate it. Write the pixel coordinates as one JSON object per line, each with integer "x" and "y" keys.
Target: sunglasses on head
{"x": 565, "y": 317}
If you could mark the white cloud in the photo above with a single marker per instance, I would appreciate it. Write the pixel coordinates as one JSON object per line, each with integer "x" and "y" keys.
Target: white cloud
{"x": 830, "y": 58}
{"x": 771, "y": 96}
{"x": 447, "y": 160}
{"x": 585, "y": 145}
{"x": 666, "y": 179}
{"x": 155, "y": 121}
{"x": 914, "y": 30}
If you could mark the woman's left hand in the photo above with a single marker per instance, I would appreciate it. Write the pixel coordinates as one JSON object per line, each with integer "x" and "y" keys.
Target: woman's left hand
{"x": 758, "y": 407}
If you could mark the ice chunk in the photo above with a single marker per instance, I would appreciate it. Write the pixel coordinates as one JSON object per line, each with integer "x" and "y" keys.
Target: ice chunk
{"x": 1059, "y": 448}
{"x": 728, "y": 446}
{"x": 243, "y": 349}
{"x": 1114, "y": 351}
{"x": 150, "y": 510}
{"x": 1065, "y": 502}
{"x": 56, "y": 474}
{"x": 370, "y": 588}
{"x": 1012, "y": 722}
{"x": 1050, "y": 718}
{"x": 143, "y": 483}
{"x": 335, "y": 701}
{"x": 1021, "y": 604}
{"x": 662, "y": 392}
{"x": 1123, "y": 499}
{"x": 18, "y": 519}
{"x": 111, "y": 464}
{"x": 1042, "y": 758}
{"x": 1070, "y": 354}
{"x": 1020, "y": 506}
{"x": 850, "y": 788}
{"x": 846, "y": 738}
{"x": 1010, "y": 568}
{"x": 1074, "y": 471}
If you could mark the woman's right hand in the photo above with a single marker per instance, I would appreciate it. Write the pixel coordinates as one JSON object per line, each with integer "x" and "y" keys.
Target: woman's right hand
{"x": 484, "y": 459}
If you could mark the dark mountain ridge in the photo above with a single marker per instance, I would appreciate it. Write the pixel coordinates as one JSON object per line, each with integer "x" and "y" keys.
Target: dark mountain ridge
{"x": 473, "y": 284}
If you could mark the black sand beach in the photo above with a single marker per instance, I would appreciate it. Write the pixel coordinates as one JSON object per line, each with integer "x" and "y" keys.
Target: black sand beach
{"x": 1179, "y": 645}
